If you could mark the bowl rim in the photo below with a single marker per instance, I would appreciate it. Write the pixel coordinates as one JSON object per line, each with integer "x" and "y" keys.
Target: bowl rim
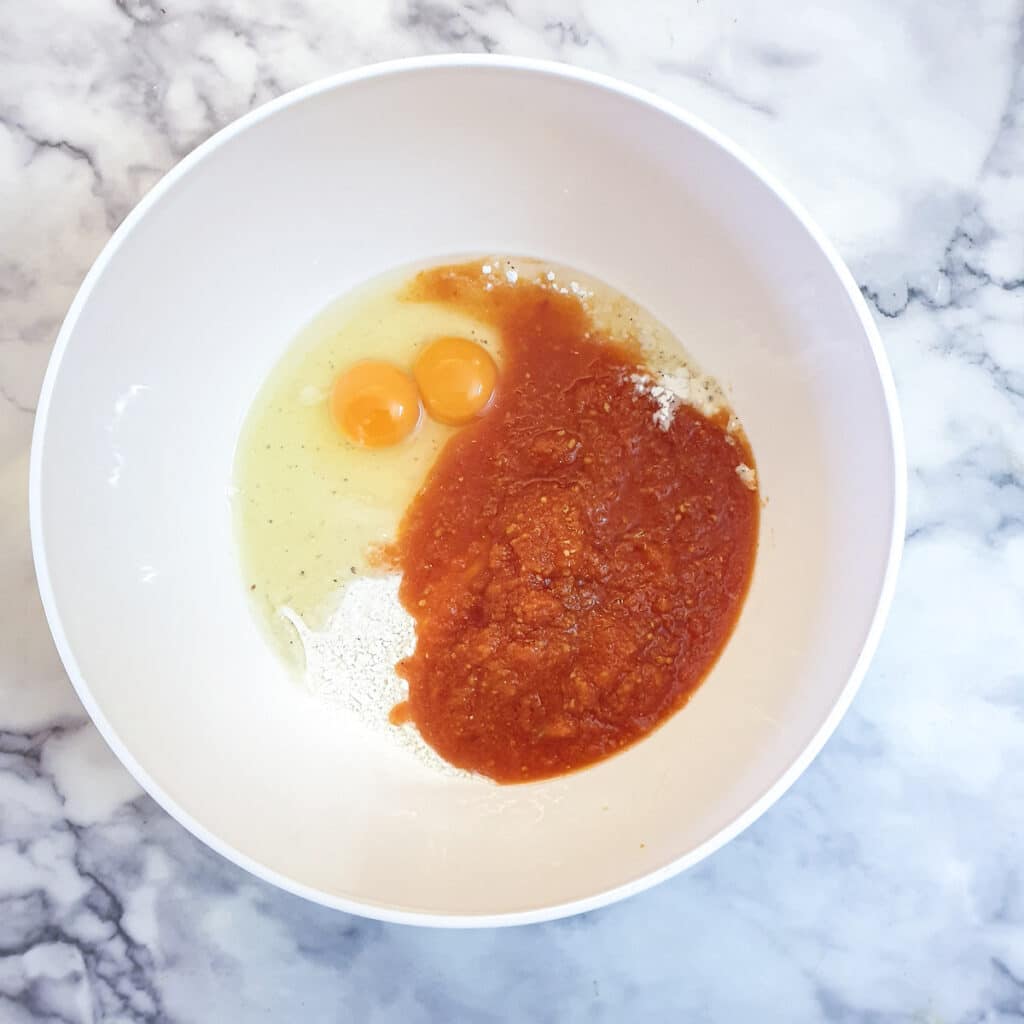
{"x": 771, "y": 793}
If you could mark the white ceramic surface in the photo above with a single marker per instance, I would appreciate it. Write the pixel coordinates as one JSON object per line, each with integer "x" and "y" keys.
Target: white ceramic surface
{"x": 190, "y": 305}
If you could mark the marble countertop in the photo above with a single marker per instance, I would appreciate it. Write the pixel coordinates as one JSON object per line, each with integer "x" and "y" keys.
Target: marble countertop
{"x": 888, "y": 884}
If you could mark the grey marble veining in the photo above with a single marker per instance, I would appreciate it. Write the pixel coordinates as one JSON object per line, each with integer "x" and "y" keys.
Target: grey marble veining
{"x": 889, "y": 883}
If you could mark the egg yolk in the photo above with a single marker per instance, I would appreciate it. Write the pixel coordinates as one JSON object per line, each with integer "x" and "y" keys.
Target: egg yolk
{"x": 375, "y": 404}
{"x": 456, "y": 378}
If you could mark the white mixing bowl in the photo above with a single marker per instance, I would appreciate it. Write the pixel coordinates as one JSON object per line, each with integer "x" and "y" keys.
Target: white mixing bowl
{"x": 194, "y": 300}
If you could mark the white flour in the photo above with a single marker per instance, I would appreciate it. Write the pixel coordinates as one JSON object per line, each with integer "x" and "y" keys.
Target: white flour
{"x": 668, "y": 390}
{"x": 351, "y": 663}
{"x": 748, "y": 475}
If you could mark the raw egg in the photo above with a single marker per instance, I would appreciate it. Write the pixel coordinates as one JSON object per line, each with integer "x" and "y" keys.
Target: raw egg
{"x": 456, "y": 378}
{"x": 375, "y": 404}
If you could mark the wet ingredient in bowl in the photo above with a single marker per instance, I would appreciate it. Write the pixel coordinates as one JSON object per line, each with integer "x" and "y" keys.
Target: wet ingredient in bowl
{"x": 577, "y": 558}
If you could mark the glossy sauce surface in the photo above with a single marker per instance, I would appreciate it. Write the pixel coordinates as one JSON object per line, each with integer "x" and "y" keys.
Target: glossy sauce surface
{"x": 573, "y": 569}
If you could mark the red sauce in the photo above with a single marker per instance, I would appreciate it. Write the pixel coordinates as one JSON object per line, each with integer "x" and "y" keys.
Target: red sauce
{"x": 400, "y": 713}
{"x": 574, "y": 571}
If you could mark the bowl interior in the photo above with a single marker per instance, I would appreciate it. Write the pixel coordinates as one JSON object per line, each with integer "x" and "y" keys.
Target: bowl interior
{"x": 196, "y": 299}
